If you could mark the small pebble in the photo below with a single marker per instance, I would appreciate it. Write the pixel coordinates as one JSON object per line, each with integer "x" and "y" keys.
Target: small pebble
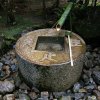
{"x": 76, "y": 87}
{"x": 14, "y": 46}
{"x": 88, "y": 55}
{"x": 33, "y": 95}
{"x": 1, "y": 64}
{"x": 99, "y": 87}
{"x": 0, "y": 97}
{"x": 89, "y": 48}
{"x": 35, "y": 89}
{"x": 65, "y": 98}
{"x": 44, "y": 94}
{"x": 3, "y": 59}
{"x": 6, "y": 86}
{"x": 82, "y": 90}
{"x": 79, "y": 96}
{"x": 16, "y": 93}
{"x": 90, "y": 87}
{"x": 14, "y": 61}
{"x": 9, "y": 97}
{"x": 59, "y": 94}
{"x": 51, "y": 96}
{"x": 40, "y": 99}
{"x": 96, "y": 50}
{"x": 7, "y": 62}
{"x": 94, "y": 54}
{"x": 89, "y": 64}
{"x": 96, "y": 76}
{"x": 85, "y": 78}
{"x": 13, "y": 68}
{"x": 7, "y": 57}
{"x": 2, "y": 74}
{"x": 6, "y": 68}
{"x": 97, "y": 93}
{"x": 92, "y": 97}
{"x": 23, "y": 97}
{"x": 23, "y": 91}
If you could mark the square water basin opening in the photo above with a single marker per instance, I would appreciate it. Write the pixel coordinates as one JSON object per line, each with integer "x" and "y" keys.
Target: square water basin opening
{"x": 50, "y": 43}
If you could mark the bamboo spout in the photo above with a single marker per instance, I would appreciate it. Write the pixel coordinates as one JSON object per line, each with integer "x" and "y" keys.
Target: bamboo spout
{"x": 64, "y": 16}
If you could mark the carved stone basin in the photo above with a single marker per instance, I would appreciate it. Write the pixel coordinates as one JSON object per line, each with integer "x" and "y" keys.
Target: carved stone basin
{"x": 44, "y": 61}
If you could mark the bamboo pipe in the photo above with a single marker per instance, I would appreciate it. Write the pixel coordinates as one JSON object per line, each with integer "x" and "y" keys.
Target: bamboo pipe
{"x": 64, "y": 16}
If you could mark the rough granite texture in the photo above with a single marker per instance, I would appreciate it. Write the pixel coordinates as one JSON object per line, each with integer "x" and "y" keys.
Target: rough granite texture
{"x": 52, "y": 78}
{"x": 46, "y": 70}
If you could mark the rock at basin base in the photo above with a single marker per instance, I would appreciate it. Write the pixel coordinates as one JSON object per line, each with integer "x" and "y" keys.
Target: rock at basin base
{"x": 65, "y": 98}
{"x": 9, "y": 97}
{"x": 6, "y": 86}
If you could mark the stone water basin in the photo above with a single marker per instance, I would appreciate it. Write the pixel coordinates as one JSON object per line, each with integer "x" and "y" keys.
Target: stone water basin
{"x": 44, "y": 60}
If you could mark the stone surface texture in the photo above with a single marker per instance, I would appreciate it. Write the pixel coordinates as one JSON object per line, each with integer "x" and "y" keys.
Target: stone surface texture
{"x": 48, "y": 74}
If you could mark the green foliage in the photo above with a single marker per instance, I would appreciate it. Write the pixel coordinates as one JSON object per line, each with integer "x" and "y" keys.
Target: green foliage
{"x": 0, "y": 17}
{"x": 10, "y": 31}
{"x": 98, "y": 3}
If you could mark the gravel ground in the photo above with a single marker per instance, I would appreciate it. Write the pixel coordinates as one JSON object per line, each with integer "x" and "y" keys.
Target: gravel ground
{"x": 87, "y": 88}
